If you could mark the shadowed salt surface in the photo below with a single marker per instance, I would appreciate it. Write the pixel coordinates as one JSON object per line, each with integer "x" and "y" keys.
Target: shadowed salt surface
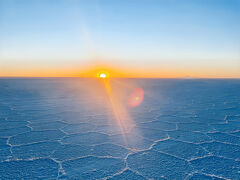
{"x": 70, "y": 129}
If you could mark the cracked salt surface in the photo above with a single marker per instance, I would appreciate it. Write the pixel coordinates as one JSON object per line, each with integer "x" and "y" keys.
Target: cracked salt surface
{"x": 66, "y": 129}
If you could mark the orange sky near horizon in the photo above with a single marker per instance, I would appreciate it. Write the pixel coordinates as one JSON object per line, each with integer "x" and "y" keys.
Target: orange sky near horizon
{"x": 119, "y": 72}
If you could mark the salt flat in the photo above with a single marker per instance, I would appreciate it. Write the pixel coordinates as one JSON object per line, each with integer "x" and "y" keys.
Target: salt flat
{"x": 63, "y": 128}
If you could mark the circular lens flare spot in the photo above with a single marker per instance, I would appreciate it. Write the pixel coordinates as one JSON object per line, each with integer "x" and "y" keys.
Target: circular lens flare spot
{"x": 136, "y": 97}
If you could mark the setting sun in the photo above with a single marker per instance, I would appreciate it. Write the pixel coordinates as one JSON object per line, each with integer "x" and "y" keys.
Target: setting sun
{"x": 102, "y": 75}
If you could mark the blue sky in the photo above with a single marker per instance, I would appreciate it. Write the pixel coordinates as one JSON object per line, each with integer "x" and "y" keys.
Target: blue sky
{"x": 166, "y": 33}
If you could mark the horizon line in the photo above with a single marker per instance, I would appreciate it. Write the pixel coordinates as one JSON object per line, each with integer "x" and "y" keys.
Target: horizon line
{"x": 58, "y": 77}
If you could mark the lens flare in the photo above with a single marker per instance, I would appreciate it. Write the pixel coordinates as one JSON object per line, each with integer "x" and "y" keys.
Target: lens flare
{"x": 119, "y": 112}
{"x": 136, "y": 97}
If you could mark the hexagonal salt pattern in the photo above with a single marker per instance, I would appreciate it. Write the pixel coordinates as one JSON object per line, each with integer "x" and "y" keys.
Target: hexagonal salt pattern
{"x": 71, "y": 129}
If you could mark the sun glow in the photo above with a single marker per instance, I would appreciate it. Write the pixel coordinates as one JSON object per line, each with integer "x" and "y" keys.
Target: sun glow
{"x": 102, "y": 75}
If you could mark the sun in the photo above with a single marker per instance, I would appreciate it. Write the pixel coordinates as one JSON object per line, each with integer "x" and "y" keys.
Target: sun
{"x": 102, "y": 75}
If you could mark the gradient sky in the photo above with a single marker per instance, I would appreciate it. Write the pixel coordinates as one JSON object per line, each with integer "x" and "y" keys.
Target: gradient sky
{"x": 144, "y": 38}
